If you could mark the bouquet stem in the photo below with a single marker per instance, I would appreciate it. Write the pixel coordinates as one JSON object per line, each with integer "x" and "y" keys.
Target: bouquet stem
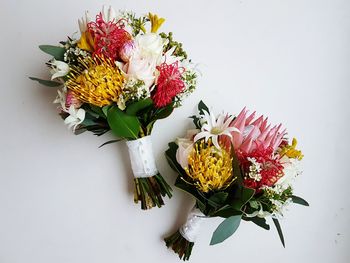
{"x": 180, "y": 245}
{"x": 150, "y": 191}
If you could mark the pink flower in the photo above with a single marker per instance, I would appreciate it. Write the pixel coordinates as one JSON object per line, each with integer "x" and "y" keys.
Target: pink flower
{"x": 255, "y": 133}
{"x": 72, "y": 100}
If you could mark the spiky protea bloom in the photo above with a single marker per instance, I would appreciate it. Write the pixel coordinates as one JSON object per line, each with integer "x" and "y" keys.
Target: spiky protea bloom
{"x": 255, "y": 134}
{"x": 209, "y": 168}
{"x": 97, "y": 81}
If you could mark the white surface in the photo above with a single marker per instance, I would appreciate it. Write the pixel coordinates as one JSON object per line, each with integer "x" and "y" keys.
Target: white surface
{"x": 64, "y": 200}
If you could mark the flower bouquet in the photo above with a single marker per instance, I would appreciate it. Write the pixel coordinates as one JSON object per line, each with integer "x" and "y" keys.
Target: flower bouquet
{"x": 237, "y": 168}
{"x": 121, "y": 75}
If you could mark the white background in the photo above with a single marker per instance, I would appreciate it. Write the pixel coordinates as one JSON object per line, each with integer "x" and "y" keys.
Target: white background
{"x": 64, "y": 200}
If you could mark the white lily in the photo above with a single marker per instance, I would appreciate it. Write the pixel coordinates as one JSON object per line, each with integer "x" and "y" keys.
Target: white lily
{"x": 76, "y": 116}
{"x": 214, "y": 127}
{"x": 58, "y": 69}
{"x": 109, "y": 15}
{"x": 84, "y": 21}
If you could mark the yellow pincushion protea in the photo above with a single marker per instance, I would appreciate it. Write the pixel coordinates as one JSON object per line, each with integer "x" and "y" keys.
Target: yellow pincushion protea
{"x": 97, "y": 80}
{"x": 210, "y": 168}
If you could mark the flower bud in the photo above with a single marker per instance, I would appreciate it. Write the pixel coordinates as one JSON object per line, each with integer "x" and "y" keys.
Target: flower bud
{"x": 127, "y": 50}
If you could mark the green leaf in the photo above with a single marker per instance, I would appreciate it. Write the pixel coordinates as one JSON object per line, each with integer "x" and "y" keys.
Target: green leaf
{"x": 202, "y": 107}
{"x": 109, "y": 142}
{"x": 170, "y": 155}
{"x": 196, "y": 121}
{"x": 237, "y": 173}
{"x": 105, "y": 110}
{"x": 134, "y": 108}
{"x": 181, "y": 184}
{"x": 97, "y": 110}
{"x": 164, "y": 112}
{"x": 48, "y": 83}
{"x": 299, "y": 200}
{"x": 279, "y": 230}
{"x": 56, "y": 52}
{"x": 245, "y": 195}
{"x": 227, "y": 211}
{"x": 218, "y": 199}
{"x": 225, "y": 229}
{"x": 258, "y": 221}
{"x": 123, "y": 125}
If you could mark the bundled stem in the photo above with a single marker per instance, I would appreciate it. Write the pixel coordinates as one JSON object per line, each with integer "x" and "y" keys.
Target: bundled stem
{"x": 150, "y": 191}
{"x": 180, "y": 245}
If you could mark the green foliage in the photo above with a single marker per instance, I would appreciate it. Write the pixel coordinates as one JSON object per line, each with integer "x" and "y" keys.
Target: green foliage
{"x": 225, "y": 229}
{"x": 299, "y": 200}
{"x": 48, "y": 83}
{"x": 137, "y": 106}
{"x": 137, "y": 23}
{"x": 258, "y": 221}
{"x": 196, "y": 119}
{"x": 163, "y": 113}
{"x": 202, "y": 107}
{"x": 122, "y": 124}
{"x": 56, "y": 52}
{"x": 179, "y": 51}
{"x": 109, "y": 142}
{"x": 279, "y": 230}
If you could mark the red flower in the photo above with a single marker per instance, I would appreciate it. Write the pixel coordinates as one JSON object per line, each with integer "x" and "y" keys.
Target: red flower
{"x": 169, "y": 84}
{"x": 271, "y": 171}
{"x": 109, "y": 37}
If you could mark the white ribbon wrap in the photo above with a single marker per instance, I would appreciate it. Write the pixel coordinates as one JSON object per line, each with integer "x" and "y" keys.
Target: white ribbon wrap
{"x": 191, "y": 228}
{"x": 141, "y": 157}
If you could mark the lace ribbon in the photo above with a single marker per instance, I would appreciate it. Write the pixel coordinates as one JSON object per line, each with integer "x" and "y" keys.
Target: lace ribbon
{"x": 141, "y": 157}
{"x": 191, "y": 228}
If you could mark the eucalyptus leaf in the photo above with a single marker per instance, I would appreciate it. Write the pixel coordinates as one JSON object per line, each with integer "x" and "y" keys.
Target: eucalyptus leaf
{"x": 123, "y": 125}
{"x": 48, "y": 83}
{"x": 135, "y": 107}
{"x": 279, "y": 230}
{"x": 225, "y": 229}
{"x": 56, "y": 52}
{"x": 299, "y": 200}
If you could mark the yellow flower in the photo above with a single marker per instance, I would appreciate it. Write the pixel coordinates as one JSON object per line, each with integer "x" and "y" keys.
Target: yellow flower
{"x": 96, "y": 80}
{"x": 86, "y": 42}
{"x": 156, "y": 22}
{"x": 291, "y": 152}
{"x": 210, "y": 168}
